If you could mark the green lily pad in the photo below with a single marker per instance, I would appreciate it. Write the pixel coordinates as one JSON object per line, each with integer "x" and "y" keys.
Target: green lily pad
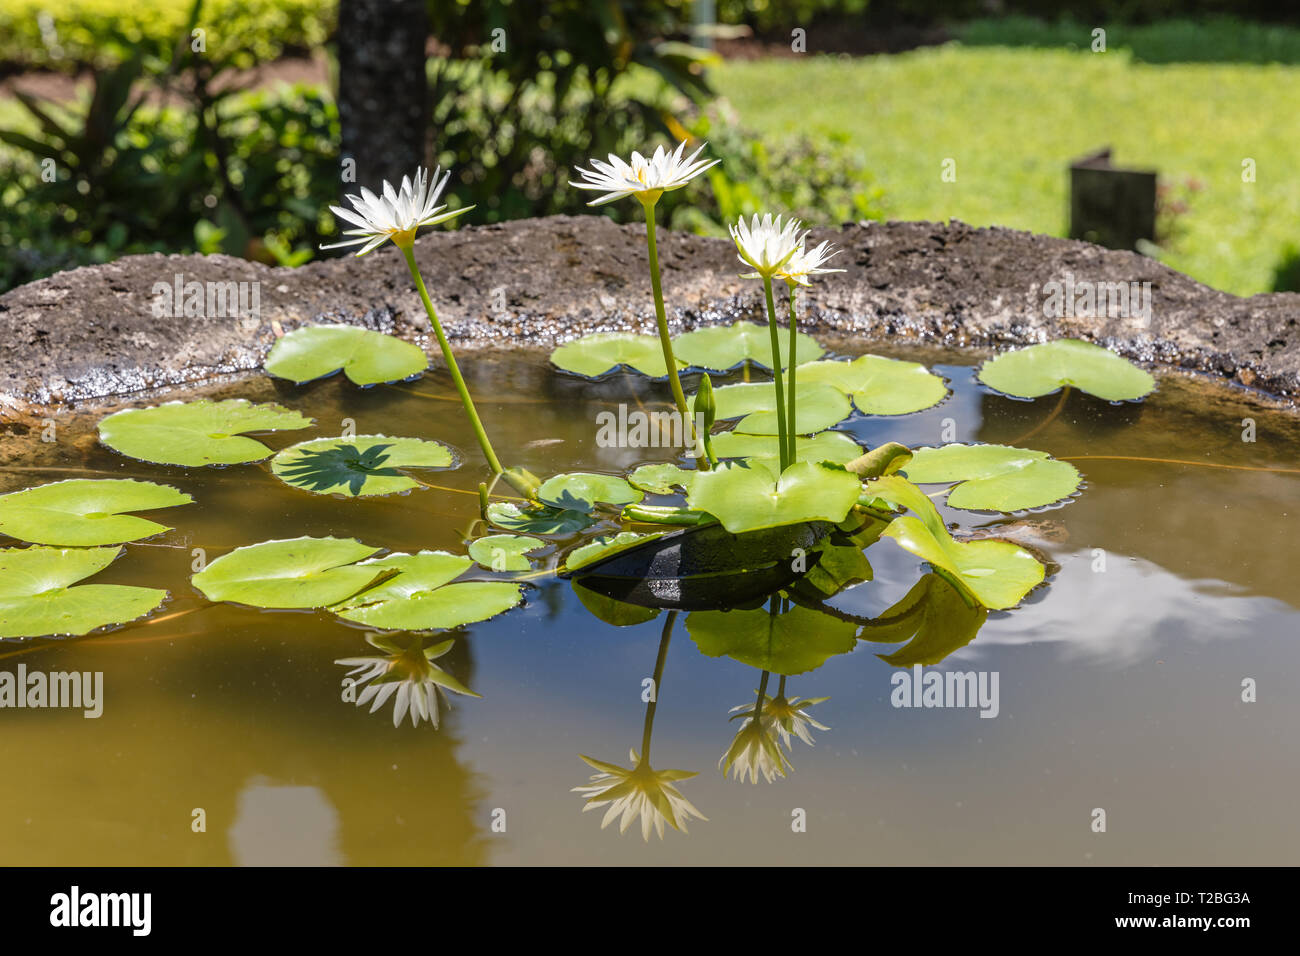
{"x": 197, "y": 433}
{"x": 612, "y": 611}
{"x": 879, "y": 385}
{"x": 363, "y": 465}
{"x": 366, "y": 357}
{"x": 581, "y": 491}
{"x": 795, "y": 642}
{"x": 818, "y": 407}
{"x": 504, "y": 552}
{"x": 838, "y": 566}
{"x": 997, "y": 574}
{"x": 292, "y": 573}
{"x": 933, "y": 618}
{"x": 594, "y": 355}
{"x": 37, "y": 597}
{"x": 536, "y": 520}
{"x": 82, "y": 512}
{"x": 661, "y": 479}
{"x": 826, "y": 446}
{"x": 604, "y": 547}
{"x": 995, "y": 477}
{"x": 722, "y": 347}
{"x": 1042, "y": 369}
{"x": 420, "y": 598}
{"x": 744, "y": 497}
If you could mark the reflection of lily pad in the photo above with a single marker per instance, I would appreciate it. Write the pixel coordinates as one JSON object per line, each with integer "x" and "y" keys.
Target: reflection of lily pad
{"x": 420, "y": 598}
{"x": 366, "y": 357}
{"x": 744, "y": 497}
{"x": 879, "y": 385}
{"x": 661, "y": 479}
{"x": 196, "y": 433}
{"x": 594, "y": 355}
{"x": 293, "y": 573}
{"x": 84, "y": 512}
{"x": 933, "y": 618}
{"x": 722, "y": 347}
{"x": 818, "y": 407}
{"x": 536, "y": 520}
{"x": 799, "y": 640}
{"x": 826, "y": 446}
{"x": 582, "y": 491}
{"x": 612, "y": 611}
{"x": 1041, "y": 369}
{"x": 605, "y": 547}
{"x": 995, "y": 477}
{"x": 504, "y": 552}
{"x": 997, "y": 574}
{"x": 364, "y": 465}
{"x": 37, "y": 597}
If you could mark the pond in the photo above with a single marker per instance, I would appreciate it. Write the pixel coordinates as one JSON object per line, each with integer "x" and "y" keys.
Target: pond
{"x": 1144, "y": 678}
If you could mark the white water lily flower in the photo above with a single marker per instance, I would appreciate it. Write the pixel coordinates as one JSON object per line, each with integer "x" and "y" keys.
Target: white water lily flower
{"x": 407, "y": 672}
{"x": 646, "y": 179}
{"x": 754, "y": 751}
{"x": 766, "y": 244}
{"x": 808, "y": 262}
{"x": 791, "y": 717}
{"x": 397, "y": 214}
{"x": 638, "y": 792}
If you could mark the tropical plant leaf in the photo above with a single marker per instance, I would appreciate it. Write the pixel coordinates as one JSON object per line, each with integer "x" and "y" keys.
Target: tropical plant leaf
{"x": 37, "y": 597}
{"x": 419, "y": 596}
{"x": 196, "y": 433}
{"x": 996, "y": 574}
{"x": 995, "y": 477}
{"x": 818, "y": 407}
{"x": 365, "y": 357}
{"x": 292, "y": 573}
{"x": 363, "y": 465}
{"x": 1042, "y": 369}
{"x": 504, "y": 552}
{"x": 85, "y": 512}
{"x": 797, "y": 641}
{"x": 594, "y": 355}
{"x": 879, "y": 385}
{"x": 933, "y": 618}
{"x": 836, "y": 447}
{"x": 536, "y": 520}
{"x": 744, "y": 496}
{"x": 604, "y": 547}
{"x": 722, "y": 347}
{"x": 581, "y": 491}
{"x": 662, "y": 478}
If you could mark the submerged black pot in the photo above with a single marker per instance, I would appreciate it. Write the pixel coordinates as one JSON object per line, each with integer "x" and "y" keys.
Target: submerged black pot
{"x": 705, "y": 567}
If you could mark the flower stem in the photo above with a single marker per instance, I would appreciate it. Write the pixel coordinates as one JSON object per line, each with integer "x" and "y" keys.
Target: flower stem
{"x": 661, "y": 318}
{"x": 794, "y": 347}
{"x": 782, "y": 440}
{"x": 658, "y": 679}
{"x": 452, "y": 367}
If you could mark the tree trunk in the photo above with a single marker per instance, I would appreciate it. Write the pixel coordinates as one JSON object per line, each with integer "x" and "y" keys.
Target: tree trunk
{"x": 383, "y": 94}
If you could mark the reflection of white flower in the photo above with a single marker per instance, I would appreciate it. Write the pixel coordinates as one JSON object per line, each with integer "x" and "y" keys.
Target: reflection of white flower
{"x": 397, "y": 214}
{"x": 754, "y": 751}
{"x": 638, "y": 792}
{"x": 407, "y": 672}
{"x": 808, "y": 262}
{"x": 766, "y": 244}
{"x": 646, "y": 179}
{"x": 792, "y": 717}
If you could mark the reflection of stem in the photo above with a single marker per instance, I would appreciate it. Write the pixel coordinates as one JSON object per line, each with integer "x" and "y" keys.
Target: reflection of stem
{"x": 782, "y": 442}
{"x": 1060, "y": 404}
{"x": 762, "y": 693}
{"x": 658, "y": 678}
{"x": 452, "y": 367}
{"x": 780, "y": 688}
{"x": 794, "y": 345}
{"x": 661, "y": 317}
{"x": 1182, "y": 461}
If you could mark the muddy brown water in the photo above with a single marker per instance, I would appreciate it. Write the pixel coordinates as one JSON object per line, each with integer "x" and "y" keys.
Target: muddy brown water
{"x": 1120, "y": 681}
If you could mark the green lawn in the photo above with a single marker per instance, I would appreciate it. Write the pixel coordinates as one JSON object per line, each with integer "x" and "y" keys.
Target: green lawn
{"x": 1012, "y": 119}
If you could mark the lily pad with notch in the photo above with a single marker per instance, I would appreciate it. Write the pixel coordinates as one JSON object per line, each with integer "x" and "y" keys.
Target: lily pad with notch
{"x": 504, "y": 552}
{"x": 86, "y": 512}
{"x": 790, "y": 642}
{"x": 418, "y": 594}
{"x": 995, "y": 477}
{"x": 365, "y": 465}
{"x": 1042, "y": 369}
{"x": 835, "y": 447}
{"x": 662, "y": 478}
{"x": 290, "y": 573}
{"x": 745, "y": 496}
{"x": 202, "y": 432}
{"x": 722, "y": 347}
{"x": 364, "y": 356}
{"x": 818, "y": 407}
{"x": 582, "y": 491}
{"x": 534, "y": 519}
{"x": 595, "y": 355}
{"x": 40, "y": 596}
{"x": 879, "y": 385}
